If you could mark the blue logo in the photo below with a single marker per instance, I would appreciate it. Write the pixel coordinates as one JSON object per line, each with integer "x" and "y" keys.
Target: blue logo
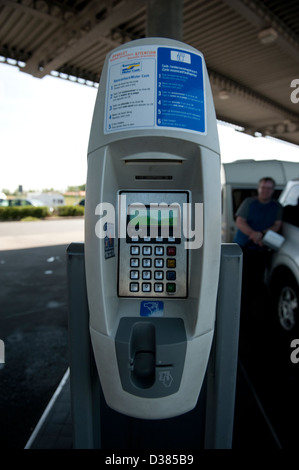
{"x": 134, "y": 67}
{"x": 152, "y": 308}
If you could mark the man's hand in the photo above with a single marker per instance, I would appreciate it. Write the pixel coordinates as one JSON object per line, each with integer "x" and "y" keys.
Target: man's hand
{"x": 256, "y": 237}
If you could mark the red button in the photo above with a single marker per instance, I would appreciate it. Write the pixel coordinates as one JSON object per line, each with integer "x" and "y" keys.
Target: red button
{"x": 171, "y": 250}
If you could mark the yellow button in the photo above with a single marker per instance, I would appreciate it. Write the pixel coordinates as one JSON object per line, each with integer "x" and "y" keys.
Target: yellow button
{"x": 171, "y": 263}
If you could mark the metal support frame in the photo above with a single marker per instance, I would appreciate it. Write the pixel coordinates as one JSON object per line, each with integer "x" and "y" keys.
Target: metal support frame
{"x": 84, "y": 380}
{"x": 221, "y": 372}
{"x": 222, "y": 368}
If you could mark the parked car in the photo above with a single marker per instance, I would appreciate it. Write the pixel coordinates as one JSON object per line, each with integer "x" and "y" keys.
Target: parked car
{"x": 283, "y": 276}
{"x": 80, "y": 203}
{"x": 20, "y": 202}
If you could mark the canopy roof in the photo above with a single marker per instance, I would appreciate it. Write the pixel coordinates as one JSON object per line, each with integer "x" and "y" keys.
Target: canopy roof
{"x": 251, "y": 48}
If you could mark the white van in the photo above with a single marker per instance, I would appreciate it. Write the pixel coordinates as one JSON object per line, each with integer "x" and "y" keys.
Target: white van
{"x": 51, "y": 200}
{"x": 239, "y": 180}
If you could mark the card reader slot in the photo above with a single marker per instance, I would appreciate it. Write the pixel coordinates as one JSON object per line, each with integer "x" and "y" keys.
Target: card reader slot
{"x": 153, "y": 177}
{"x": 144, "y": 369}
{"x": 143, "y": 354}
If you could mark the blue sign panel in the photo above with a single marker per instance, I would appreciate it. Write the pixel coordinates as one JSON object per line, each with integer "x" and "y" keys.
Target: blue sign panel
{"x": 180, "y": 90}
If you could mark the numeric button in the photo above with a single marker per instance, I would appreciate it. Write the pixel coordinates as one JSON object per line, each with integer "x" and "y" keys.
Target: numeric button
{"x": 146, "y": 287}
{"x": 134, "y": 287}
{"x": 147, "y": 250}
{"x": 134, "y": 262}
{"x": 146, "y": 275}
{"x": 159, "y": 275}
{"x": 158, "y": 287}
{"x": 159, "y": 263}
{"x": 146, "y": 262}
{"x": 134, "y": 250}
{"x": 134, "y": 274}
{"x": 159, "y": 250}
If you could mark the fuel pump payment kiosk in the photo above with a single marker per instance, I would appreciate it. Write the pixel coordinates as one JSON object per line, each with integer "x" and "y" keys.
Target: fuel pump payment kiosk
{"x": 152, "y": 227}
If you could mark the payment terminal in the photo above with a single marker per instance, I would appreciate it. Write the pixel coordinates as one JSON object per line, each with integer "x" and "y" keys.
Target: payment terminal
{"x": 152, "y": 227}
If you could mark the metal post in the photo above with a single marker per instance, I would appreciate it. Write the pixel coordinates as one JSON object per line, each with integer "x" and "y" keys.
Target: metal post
{"x": 84, "y": 380}
{"x": 164, "y": 18}
{"x": 222, "y": 368}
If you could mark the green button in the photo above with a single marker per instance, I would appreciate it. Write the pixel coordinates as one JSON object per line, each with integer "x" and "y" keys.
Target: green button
{"x": 170, "y": 287}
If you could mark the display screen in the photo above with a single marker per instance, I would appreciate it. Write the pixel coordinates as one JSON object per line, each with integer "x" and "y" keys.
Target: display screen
{"x": 154, "y": 220}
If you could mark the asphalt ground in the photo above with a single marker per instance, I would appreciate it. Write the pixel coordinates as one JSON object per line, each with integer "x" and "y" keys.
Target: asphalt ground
{"x": 272, "y": 378}
{"x": 33, "y": 321}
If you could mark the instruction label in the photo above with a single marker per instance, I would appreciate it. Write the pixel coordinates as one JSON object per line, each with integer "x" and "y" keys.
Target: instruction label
{"x": 150, "y": 87}
{"x": 180, "y": 100}
{"x": 130, "y": 97}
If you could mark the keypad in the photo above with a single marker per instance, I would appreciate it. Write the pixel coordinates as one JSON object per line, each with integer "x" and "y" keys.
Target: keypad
{"x": 152, "y": 255}
{"x": 153, "y": 269}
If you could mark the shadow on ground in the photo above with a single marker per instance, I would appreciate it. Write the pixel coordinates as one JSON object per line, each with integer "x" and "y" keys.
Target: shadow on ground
{"x": 33, "y": 326}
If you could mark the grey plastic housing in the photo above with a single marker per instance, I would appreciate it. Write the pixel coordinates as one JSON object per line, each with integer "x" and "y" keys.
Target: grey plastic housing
{"x": 152, "y": 160}
{"x": 163, "y": 340}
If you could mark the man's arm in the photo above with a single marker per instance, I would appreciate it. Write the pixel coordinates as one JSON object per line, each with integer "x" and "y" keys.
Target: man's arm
{"x": 253, "y": 235}
{"x": 275, "y": 227}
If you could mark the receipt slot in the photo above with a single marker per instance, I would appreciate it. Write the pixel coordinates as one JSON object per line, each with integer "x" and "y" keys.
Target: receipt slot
{"x": 152, "y": 227}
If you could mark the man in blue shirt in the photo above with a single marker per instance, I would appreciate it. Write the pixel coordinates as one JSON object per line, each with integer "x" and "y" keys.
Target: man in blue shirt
{"x": 254, "y": 218}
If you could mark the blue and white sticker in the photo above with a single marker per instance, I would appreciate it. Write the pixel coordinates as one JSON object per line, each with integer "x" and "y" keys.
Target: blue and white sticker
{"x": 109, "y": 240}
{"x": 130, "y": 90}
{"x": 180, "y": 92}
{"x": 154, "y": 87}
{"x": 152, "y": 308}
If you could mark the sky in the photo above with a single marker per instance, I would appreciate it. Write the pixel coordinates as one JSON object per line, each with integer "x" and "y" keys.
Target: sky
{"x": 44, "y": 133}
